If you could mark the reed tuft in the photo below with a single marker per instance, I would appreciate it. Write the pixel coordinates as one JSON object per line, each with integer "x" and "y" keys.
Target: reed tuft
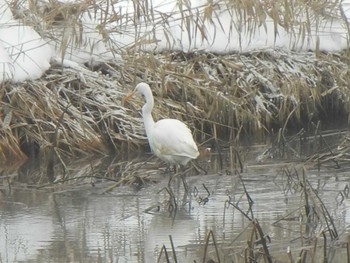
{"x": 79, "y": 110}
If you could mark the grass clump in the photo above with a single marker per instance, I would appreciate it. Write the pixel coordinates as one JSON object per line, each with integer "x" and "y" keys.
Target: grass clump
{"x": 78, "y": 110}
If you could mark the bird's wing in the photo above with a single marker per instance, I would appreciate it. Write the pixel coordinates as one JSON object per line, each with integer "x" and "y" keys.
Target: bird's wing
{"x": 173, "y": 137}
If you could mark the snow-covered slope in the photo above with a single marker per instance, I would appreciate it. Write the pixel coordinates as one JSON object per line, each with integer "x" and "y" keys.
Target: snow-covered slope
{"x": 104, "y": 32}
{"x": 23, "y": 53}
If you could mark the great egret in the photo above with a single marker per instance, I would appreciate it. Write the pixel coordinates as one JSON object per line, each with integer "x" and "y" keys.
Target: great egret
{"x": 170, "y": 139}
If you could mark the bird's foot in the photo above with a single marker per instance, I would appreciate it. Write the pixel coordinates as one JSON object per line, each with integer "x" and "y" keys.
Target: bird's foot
{"x": 172, "y": 204}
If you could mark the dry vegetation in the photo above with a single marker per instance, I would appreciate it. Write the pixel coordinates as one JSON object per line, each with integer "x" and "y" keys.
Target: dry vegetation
{"x": 314, "y": 234}
{"x": 77, "y": 111}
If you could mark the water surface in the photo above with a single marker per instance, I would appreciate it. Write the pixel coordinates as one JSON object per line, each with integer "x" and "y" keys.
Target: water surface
{"x": 83, "y": 222}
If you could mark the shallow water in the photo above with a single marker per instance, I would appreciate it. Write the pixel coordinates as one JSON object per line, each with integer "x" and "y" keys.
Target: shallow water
{"x": 85, "y": 223}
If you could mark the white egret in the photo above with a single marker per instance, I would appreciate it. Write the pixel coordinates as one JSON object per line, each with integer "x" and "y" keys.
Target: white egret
{"x": 170, "y": 139}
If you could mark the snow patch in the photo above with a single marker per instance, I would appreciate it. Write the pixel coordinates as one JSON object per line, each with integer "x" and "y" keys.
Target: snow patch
{"x": 23, "y": 53}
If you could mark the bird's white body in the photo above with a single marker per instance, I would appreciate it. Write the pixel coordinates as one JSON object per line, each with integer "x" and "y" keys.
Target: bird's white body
{"x": 175, "y": 145}
{"x": 170, "y": 139}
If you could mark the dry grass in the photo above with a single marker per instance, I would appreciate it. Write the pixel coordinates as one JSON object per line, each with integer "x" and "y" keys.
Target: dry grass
{"x": 76, "y": 111}
{"x": 333, "y": 156}
{"x": 71, "y": 112}
{"x": 314, "y": 234}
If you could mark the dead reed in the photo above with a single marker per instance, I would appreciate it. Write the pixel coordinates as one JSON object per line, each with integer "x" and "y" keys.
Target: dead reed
{"x": 76, "y": 111}
{"x": 318, "y": 235}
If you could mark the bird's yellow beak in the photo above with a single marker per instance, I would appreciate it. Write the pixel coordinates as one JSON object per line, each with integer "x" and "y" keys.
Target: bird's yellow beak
{"x": 129, "y": 96}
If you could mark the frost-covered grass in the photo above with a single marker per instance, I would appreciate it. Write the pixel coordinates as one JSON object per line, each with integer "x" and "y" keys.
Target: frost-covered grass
{"x": 75, "y": 111}
{"x": 227, "y": 68}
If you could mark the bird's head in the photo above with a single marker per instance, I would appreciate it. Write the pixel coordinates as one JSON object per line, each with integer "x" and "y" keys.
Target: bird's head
{"x": 140, "y": 89}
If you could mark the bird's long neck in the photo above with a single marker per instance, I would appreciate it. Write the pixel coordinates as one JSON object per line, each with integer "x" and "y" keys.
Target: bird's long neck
{"x": 147, "y": 115}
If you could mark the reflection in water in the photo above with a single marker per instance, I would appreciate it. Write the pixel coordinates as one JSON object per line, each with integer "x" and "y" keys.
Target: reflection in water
{"x": 24, "y": 229}
{"x": 85, "y": 224}
{"x": 161, "y": 227}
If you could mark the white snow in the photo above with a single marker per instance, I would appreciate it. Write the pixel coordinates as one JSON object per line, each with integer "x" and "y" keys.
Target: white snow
{"x": 225, "y": 32}
{"x": 25, "y": 55}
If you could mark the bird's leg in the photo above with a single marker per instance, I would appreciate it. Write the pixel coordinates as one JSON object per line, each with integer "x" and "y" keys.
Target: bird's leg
{"x": 180, "y": 172}
{"x": 182, "y": 175}
{"x": 183, "y": 178}
{"x": 171, "y": 193}
{"x": 172, "y": 208}
{"x": 169, "y": 182}
{"x": 172, "y": 202}
{"x": 175, "y": 173}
